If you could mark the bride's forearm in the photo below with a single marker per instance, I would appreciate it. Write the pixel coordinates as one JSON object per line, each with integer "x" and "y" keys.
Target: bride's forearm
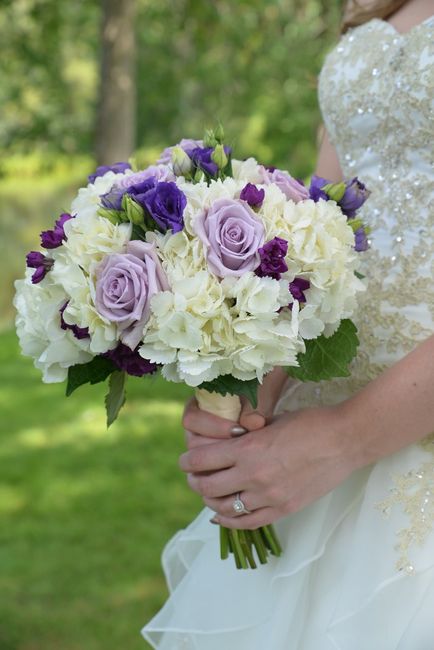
{"x": 394, "y": 410}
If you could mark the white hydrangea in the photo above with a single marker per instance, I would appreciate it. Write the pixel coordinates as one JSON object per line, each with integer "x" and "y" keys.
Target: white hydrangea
{"x": 248, "y": 171}
{"x": 41, "y": 337}
{"x": 90, "y": 239}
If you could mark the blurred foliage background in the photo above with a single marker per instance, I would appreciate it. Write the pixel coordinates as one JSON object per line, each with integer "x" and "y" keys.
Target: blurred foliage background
{"x": 84, "y": 513}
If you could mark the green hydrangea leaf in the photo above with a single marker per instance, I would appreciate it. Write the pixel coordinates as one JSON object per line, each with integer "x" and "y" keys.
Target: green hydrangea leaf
{"x": 115, "y": 398}
{"x": 328, "y": 357}
{"x": 93, "y": 372}
{"x": 228, "y": 385}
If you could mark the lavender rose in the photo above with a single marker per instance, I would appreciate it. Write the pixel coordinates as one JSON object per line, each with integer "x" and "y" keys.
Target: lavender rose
{"x": 232, "y": 235}
{"x": 125, "y": 284}
{"x": 291, "y": 188}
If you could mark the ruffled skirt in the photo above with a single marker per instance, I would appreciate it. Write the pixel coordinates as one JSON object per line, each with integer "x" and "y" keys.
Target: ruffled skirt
{"x": 357, "y": 573}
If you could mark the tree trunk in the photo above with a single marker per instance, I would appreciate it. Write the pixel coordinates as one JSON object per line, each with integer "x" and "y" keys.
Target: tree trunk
{"x": 116, "y": 116}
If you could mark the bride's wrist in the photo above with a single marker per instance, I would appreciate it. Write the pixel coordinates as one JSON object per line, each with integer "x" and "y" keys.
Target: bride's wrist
{"x": 352, "y": 432}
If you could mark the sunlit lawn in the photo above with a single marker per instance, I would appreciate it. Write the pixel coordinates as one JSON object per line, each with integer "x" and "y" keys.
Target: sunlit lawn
{"x": 84, "y": 513}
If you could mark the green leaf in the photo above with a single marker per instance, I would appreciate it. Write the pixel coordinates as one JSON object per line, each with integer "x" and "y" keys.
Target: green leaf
{"x": 359, "y": 275}
{"x": 328, "y": 357}
{"x": 226, "y": 384}
{"x": 89, "y": 373}
{"x": 115, "y": 398}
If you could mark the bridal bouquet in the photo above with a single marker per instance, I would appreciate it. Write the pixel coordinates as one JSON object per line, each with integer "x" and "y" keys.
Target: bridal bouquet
{"x": 209, "y": 269}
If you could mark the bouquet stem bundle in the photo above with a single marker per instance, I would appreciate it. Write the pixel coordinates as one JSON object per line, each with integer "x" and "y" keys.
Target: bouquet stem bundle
{"x": 239, "y": 543}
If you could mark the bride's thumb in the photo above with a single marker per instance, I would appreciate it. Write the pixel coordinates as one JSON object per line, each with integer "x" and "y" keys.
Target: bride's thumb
{"x": 251, "y": 418}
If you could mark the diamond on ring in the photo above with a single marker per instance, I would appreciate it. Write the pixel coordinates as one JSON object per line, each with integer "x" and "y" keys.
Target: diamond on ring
{"x": 239, "y": 506}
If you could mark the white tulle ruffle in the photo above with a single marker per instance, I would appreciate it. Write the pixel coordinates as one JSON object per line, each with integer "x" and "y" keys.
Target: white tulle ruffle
{"x": 336, "y": 585}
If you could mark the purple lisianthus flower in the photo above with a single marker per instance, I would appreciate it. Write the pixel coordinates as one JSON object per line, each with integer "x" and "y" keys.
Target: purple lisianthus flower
{"x": 361, "y": 240}
{"x": 272, "y": 256}
{"x": 42, "y": 264}
{"x": 315, "y": 190}
{"x": 201, "y": 156}
{"x": 166, "y": 204}
{"x": 113, "y": 199}
{"x": 130, "y": 361}
{"x": 79, "y": 332}
{"x": 140, "y": 191}
{"x": 232, "y": 235}
{"x": 252, "y": 195}
{"x": 54, "y": 238}
{"x": 293, "y": 189}
{"x": 117, "y": 168}
{"x": 125, "y": 284}
{"x": 186, "y": 144}
{"x": 355, "y": 196}
{"x": 297, "y": 288}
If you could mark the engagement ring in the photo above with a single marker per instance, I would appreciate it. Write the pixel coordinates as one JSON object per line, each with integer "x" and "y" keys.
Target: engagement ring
{"x": 239, "y": 506}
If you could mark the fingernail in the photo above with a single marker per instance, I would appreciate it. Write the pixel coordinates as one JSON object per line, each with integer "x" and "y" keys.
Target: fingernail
{"x": 238, "y": 431}
{"x": 214, "y": 520}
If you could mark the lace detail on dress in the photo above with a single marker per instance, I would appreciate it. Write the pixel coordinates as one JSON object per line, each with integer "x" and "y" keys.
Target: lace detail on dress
{"x": 414, "y": 492}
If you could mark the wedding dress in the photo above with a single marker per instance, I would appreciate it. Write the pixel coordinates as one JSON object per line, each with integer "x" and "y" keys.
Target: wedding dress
{"x": 357, "y": 572}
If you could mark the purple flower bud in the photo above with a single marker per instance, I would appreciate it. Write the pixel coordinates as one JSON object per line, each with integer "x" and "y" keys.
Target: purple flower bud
{"x": 130, "y": 361}
{"x": 53, "y": 238}
{"x": 354, "y": 197}
{"x": 297, "y": 288}
{"x": 252, "y": 195}
{"x": 201, "y": 156}
{"x": 361, "y": 240}
{"x": 272, "y": 256}
{"x": 41, "y": 263}
{"x": 117, "y": 168}
{"x": 79, "y": 332}
{"x": 315, "y": 190}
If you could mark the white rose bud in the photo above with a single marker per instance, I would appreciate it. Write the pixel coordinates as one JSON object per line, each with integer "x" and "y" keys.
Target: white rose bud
{"x": 181, "y": 162}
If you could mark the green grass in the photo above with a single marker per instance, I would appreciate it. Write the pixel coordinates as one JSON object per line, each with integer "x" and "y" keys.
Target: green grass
{"x": 84, "y": 512}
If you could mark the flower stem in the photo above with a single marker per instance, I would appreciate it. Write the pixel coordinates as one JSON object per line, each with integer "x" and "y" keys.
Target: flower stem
{"x": 224, "y": 543}
{"x": 238, "y": 551}
{"x": 259, "y": 545}
{"x": 246, "y": 544}
{"x": 271, "y": 540}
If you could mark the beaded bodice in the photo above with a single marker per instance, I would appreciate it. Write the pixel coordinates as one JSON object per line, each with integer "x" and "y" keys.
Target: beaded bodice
{"x": 376, "y": 94}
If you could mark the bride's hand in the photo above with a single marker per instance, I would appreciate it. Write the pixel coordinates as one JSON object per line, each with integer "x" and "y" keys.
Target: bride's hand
{"x": 277, "y": 470}
{"x": 203, "y": 428}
